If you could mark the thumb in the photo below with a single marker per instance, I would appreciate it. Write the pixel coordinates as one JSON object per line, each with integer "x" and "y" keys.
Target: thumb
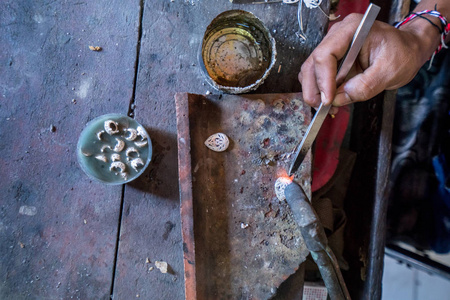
{"x": 362, "y": 87}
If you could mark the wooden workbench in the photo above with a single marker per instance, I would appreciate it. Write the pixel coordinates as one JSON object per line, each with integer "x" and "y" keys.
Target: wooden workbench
{"x": 63, "y": 236}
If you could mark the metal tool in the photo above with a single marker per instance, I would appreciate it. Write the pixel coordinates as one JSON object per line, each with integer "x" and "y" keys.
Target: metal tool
{"x": 316, "y": 241}
{"x": 346, "y": 64}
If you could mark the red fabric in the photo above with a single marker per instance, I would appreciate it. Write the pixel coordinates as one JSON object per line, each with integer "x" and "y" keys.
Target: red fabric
{"x": 346, "y": 7}
{"x": 327, "y": 148}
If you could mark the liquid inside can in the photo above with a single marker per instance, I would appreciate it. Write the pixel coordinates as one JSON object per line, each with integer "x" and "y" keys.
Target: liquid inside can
{"x": 237, "y": 52}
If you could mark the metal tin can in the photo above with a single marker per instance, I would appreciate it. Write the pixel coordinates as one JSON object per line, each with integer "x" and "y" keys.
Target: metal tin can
{"x": 237, "y": 52}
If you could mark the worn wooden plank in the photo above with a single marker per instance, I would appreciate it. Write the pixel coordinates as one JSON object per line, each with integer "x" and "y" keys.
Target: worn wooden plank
{"x": 366, "y": 200}
{"x": 360, "y": 199}
{"x": 372, "y": 288}
{"x": 168, "y": 63}
{"x": 399, "y": 10}
{"x": 58, "y": 229}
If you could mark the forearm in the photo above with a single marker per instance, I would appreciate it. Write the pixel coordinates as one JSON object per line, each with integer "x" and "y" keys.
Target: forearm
{"x": 442, "y": 6}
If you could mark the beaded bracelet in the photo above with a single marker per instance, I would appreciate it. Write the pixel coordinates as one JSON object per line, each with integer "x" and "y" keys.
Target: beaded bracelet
{"x": 444, "y": 30}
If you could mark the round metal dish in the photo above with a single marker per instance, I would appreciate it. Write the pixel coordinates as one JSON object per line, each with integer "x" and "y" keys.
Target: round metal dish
{"x": 98, "y": 149}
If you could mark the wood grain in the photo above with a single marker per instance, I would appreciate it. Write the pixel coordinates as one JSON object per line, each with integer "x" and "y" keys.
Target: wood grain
{"x": 58, "y": 229}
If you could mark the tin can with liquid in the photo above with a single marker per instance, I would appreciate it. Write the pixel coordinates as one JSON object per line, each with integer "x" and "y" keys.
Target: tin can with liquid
{"x": 237, "y": 52}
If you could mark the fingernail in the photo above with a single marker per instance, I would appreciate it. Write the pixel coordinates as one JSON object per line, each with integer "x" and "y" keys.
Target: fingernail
{"x": 323, "y": 98}
{"x": 342, "y": 99}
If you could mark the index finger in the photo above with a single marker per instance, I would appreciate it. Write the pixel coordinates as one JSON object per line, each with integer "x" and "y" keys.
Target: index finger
{"x": 329, "y": 52}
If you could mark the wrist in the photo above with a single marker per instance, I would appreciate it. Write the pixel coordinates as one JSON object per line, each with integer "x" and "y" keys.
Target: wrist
{"x": 442, "y": 7}
{"x": 424, "y": 39}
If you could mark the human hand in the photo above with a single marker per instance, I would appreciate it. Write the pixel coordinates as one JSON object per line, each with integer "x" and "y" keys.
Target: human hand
{"x": 389, "y": 59}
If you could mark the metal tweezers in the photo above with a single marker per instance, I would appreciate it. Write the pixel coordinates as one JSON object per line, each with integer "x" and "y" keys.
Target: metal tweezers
{"x": 346, "y": 64}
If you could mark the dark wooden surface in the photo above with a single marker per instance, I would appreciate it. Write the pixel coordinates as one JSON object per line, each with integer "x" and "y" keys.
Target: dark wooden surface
{"x": 378, "y": 224}
{"x": 62, "y": 235}
{"x": 61, "y": 244}
{"x": 366, "y": 200}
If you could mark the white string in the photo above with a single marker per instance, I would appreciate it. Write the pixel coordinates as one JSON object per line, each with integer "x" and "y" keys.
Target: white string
{"x": 309, "y": 4}
{"x": 301, "y": 34}
{"x": 312, "y": 3}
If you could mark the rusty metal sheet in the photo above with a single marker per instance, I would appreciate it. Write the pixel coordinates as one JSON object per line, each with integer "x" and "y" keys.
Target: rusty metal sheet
{"x": 240, "y": 241}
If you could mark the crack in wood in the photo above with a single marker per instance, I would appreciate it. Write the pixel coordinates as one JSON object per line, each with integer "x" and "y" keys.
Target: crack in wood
{"x": 132, "y": 106}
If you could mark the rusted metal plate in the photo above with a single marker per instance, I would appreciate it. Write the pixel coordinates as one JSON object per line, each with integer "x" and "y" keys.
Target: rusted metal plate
{"x": 58, "y": 230}
{"x": 245, "y": 240}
